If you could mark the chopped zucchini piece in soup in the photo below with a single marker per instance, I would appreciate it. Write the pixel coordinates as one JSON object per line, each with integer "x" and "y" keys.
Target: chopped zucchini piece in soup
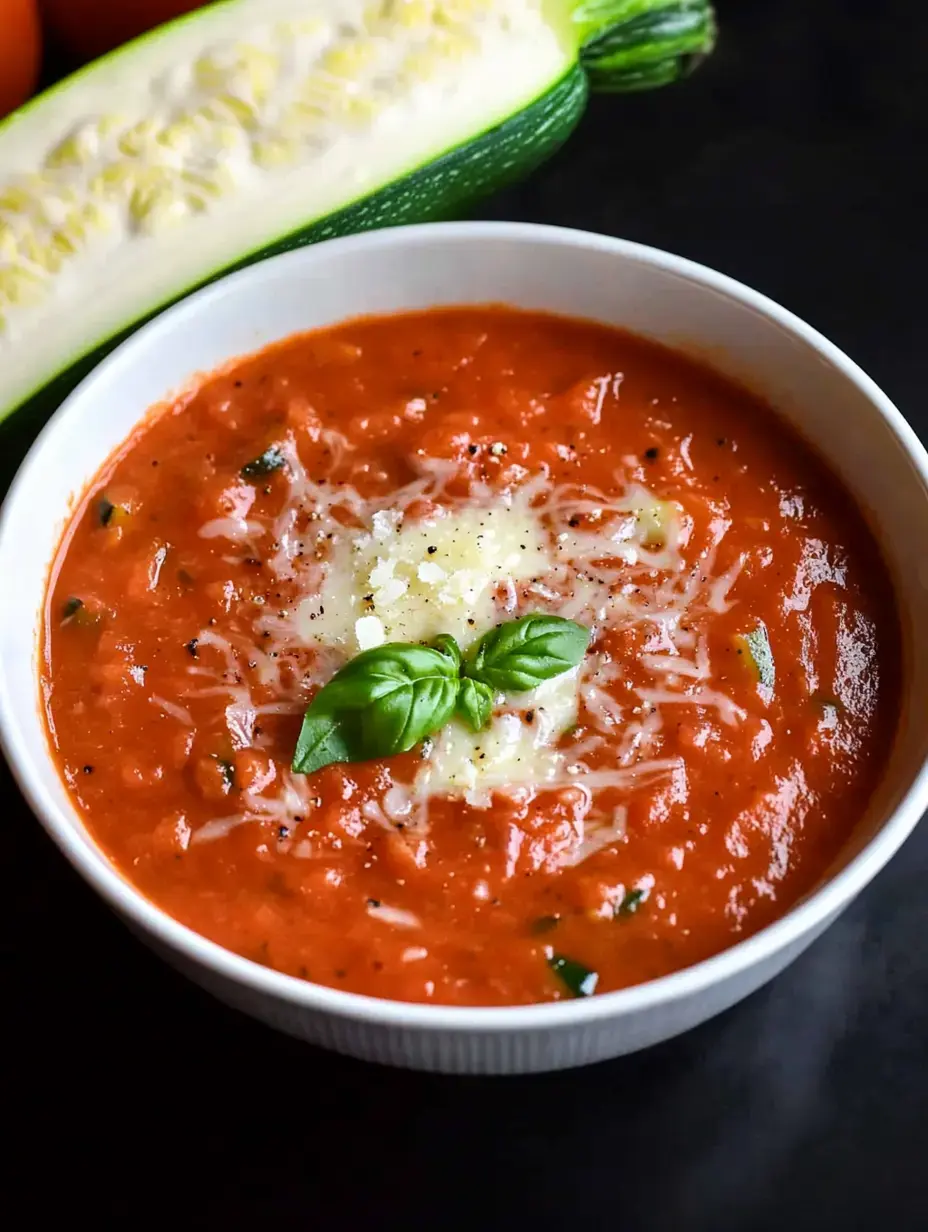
{"x": 579, "y": 980}
{"x": 755, "y": 648}
{"x": 654, "y": 521}
{"x": 265, "y": 464}
{"x": 71, "y": 608}
{"x": 631, "y": 901}
{"x": 110, "y": 514}
{"x": 79, "y": 612}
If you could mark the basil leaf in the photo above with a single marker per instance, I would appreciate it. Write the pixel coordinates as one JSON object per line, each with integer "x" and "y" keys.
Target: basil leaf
{"x": 384, "y": 701}
{"x": 323, "y": 740}
{"x": 518, "y": 655}
{"x": 446, "y": 645}
{"x": 271, "y": 460}
{"x": 580, "y": 981}
{"x": 475, "y": 704}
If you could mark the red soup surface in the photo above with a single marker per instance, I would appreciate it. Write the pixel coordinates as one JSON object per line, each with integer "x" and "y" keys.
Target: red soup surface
{"x": 398, "y": 478}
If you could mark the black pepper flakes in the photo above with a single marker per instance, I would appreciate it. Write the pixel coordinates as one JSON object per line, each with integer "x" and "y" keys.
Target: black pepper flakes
{"x": 88, "y": 769}
{"x": 191, "y": 647}
{"x": 652, "y": 453}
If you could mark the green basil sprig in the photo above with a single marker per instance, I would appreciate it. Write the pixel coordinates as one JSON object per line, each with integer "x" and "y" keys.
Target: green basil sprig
{"x": 518, "y": 655}
{"x": 475, "y": 703}
{"x": 385, "y": 700}
{"x": 382, "y": 702}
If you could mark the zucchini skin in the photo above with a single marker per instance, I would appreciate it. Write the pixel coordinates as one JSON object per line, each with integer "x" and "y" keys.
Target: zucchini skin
{"x": 655, "y": 47}
{"x": 444, "y": 188}
{"x": 755, "y": 645}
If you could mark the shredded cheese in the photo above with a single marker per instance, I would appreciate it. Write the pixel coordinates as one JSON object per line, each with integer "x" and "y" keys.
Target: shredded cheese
{"x": 402, "y": 580}
{"x": 518, "y": 748}
{"x": 612, "y": 562}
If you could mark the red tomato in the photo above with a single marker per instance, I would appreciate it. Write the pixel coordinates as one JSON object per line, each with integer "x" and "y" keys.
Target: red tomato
{"x": 19, "y": 52}
{"x": 85, "y": 29}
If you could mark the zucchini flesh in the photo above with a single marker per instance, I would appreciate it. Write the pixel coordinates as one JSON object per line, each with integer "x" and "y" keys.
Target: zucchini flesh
{"x": 255, "y": 126}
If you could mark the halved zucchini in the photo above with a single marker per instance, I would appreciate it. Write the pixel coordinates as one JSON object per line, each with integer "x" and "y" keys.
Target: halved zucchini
{"x": 255, "y": 126}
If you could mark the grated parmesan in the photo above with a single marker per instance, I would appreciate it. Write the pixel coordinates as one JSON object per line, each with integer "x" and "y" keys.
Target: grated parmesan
{"x": 612, "y": 562}
{"x": 400, "y": 580}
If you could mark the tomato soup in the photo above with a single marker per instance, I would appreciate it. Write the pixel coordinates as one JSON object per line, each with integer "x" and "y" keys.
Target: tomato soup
{"x": 684, "y": 775}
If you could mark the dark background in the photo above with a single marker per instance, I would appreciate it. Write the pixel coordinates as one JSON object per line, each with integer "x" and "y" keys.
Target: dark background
{"x": 789, "y": 161}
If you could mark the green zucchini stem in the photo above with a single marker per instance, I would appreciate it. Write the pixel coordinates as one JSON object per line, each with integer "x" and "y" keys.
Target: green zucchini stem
{"x": 639, "y": 44}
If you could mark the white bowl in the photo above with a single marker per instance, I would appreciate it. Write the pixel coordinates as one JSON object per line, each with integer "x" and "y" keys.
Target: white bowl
{"x": 812, "y": 384}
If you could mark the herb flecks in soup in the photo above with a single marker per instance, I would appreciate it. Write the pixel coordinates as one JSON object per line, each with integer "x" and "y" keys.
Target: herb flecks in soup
{"x": 434, "y": 480}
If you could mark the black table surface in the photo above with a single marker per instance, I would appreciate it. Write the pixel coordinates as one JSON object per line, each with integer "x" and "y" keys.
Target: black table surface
{"x": 788, "y": 161}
